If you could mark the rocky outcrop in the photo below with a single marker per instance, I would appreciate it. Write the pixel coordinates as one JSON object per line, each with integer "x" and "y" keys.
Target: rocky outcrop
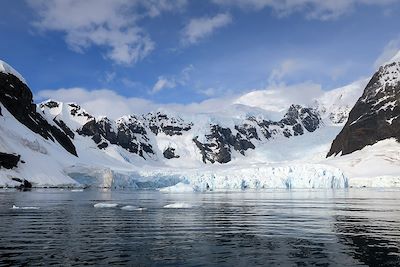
{"x": 23, "y": 184}
{"x": 9, "y": 161}
{"x": 218, "y": 145}
{"x": 375, "y": 116}
{"x": 127, "y": 132}
{"x": 162, "y": 123}
{"x": 296, "y": 121}
{"x": 16, "y": 97}
{"x": 169, "y": 153}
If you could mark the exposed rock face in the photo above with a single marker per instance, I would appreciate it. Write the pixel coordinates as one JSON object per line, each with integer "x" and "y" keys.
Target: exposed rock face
{"x": 9, "y": 161}
{"x": 169, "y": 153}
{"x": 296, "y": 121}
{"x": 127, "y": 132}
{"x": 24, "y": 184}
{"x": 375, "y": 116}
{"x": 17, "y": 99}
{"x": 219, "y": 144}
{"x": 158, "y": 122}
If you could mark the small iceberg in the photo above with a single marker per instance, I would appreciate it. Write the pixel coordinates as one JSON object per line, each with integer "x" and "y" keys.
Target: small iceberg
{"x": 76, "y": 190}
{"x": 178, "y": 205}
{"x": 133, "y": 208}
{"x": 105, "y": 205}
{"x": 24, "y": 208}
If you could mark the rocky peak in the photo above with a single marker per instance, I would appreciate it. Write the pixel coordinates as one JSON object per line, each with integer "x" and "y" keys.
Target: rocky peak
{"x": 169, "y": 125}
{"x": 49, "y": 104}
{"x": 16, "y": 97}
{"x": 220, "y": 142}
{"x": 76, "y": 110}
{"x": 375, "y": 116}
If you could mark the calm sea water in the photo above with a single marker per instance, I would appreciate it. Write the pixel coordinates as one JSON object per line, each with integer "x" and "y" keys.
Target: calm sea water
{"x": 287, "y": 228}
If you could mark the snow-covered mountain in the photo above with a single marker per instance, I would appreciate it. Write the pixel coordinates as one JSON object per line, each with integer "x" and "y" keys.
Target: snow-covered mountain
{"x": 253, "y": 144}
{"x": 376, "y": 115}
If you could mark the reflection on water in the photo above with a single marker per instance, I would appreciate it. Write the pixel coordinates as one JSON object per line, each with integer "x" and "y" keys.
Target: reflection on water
{"x": 287, "y": 228}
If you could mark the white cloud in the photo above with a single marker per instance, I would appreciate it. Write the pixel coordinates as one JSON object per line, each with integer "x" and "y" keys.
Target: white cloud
{"x": 103, "y": 23}
{"x": 286, "y": 67}
{"x": 105, "y": 102}
{"x": 99, "y": 102}
{"x": 278, "y": 97}
{"x": 168, "y": 82}
{"x": 108, "y": 103}
{"x": 200, "y": 28}
{"x": 313, "y": 9}
{"x": 163, "y": 83}
{"x": 389, "y": 51}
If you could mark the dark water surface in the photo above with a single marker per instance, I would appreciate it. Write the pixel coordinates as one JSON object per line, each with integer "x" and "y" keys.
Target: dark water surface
{"x": 288, "y": 228}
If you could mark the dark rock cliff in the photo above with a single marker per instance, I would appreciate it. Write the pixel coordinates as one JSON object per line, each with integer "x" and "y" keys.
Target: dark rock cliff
{"x": 16, "y": 97}
{"x": 375, "y": 116}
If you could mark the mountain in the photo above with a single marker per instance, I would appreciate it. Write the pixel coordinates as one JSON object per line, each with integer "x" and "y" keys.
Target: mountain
{"x": 376, "y": 115}
{"x": 253, "y": 143}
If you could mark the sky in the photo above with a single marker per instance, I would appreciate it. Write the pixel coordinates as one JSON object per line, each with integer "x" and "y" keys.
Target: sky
{"x": 135, "y": 55}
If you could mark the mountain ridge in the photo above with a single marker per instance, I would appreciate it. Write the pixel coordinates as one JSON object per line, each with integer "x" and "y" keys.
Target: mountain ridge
{"x": 173, "y": 148}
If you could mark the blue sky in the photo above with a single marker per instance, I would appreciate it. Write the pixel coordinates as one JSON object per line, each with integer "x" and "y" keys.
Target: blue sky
{"x": 188, "y": 51}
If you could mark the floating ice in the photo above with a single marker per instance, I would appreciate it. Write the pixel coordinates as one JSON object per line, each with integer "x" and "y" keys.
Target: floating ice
{"x": 105, "y": 205}
{"x": 76, "y": 190}
{"x": 133, "y": 208}
{"x": 178, "y": 205}
{"x": 24, "y": 208}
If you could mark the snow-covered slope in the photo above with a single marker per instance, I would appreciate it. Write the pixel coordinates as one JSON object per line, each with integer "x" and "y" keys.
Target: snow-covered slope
{"x": 335, "y": 105}
{"x": 375, "y": 165}
{"x": 260, "y": 141}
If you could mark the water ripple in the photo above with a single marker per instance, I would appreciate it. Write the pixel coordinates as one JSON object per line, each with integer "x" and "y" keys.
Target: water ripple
{"x": 339, "y": 228}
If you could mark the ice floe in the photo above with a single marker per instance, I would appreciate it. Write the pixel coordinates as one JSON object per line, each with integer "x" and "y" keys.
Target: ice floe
{"x": 178, "y": 205}
{"x": 24, "y": 208}
{"x": 133, "y": 208}
{"x": 105, "y": 205}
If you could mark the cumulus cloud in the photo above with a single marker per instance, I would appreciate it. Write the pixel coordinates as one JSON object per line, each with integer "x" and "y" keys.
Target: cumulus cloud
{"x": 313, "y": 9}
{"x": 103, "y": 23}
{"x": 200, "y": 28}
{"x": 389, "y": 51}
{"x": 172, "y": 81}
